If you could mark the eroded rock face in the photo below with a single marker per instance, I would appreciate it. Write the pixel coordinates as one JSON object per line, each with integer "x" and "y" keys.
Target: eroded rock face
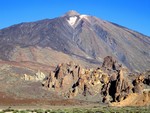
{"x": 71, "y": 79}
{"x": 111, "y": 64}
{"x": 123, "y": 87}
{"x": 109, "y": 81}
{"x": 116, "y": 89}
{"x": 138, "y": 84}
{"x": 63, "y": 77}
{"x": 39, "y": 76}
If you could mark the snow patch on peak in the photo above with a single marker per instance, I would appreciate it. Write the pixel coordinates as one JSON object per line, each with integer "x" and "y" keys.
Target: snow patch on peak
{"x": 84, "y": 16}
{"x": 72, "y": 20}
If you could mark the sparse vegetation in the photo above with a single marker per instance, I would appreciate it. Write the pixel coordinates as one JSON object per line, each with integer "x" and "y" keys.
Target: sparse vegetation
{"x": 85, "y": 110}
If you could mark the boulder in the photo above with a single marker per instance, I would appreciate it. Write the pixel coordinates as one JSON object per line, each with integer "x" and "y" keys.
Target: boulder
{"x": 138, "y": 84}
{"x": 39, "y": 76}
{"x": 110, "y": 63}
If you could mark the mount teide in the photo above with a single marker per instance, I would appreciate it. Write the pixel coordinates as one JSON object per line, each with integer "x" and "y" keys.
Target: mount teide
{"x": 82, "y": 38}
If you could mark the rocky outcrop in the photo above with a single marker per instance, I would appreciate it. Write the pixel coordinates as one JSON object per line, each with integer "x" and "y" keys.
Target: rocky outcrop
{"x": 138, "y": 84}
{"x": 123, "y": 87}
{"x": 111, "y": 64}
{"x": 116, "y": 87}
{"x": 139, "y": 95}
{"x": 110, "y": 81}
{"x": 63, "y": 77}
{"x": 134, "y": 99}
{"x": 71, "y": 79}
{"x": 39, "y": 76}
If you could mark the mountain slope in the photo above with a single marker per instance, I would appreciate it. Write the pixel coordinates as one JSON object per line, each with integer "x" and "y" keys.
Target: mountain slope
{"x": 81, "y": 37}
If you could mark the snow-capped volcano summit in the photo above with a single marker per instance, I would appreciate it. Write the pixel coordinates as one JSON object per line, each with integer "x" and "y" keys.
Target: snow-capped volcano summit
{"x": 74, "y": 17}
{"x": 84, "y": 38}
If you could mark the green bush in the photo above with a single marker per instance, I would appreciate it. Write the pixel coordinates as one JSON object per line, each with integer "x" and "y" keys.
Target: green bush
{"x": 15, "y": 111}
{"x": 8, "y": 110}
{"x": 39, "y": 111}
{"x": 82, "y": 110}
{"x": 48, "y": 111}
{"x": 23, "y": 111}
{"x": 1, "y": 111}
{"x": 89, "y": 111}
{"x": 76, "y": 110}
{"x": 53, "y": 112}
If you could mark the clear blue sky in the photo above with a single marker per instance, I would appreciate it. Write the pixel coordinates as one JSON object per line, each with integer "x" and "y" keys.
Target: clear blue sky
{"x": 134, "y": 14}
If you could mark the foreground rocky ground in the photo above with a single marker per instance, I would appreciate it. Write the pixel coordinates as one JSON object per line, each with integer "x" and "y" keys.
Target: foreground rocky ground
{"x": 69, "y": 84}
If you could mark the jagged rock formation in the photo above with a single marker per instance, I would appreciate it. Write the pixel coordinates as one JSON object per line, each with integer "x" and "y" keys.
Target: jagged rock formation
{"x": 39, "y": 76}
{"x": 71, "y": 79}
{"x": 138, "y": 84}
{"x": 117, "y": 87}
{"x": 123, "y": 88}
{"x": 82, "y": 38}
{"x": 63, "y": 76}
{"x": 109, "y": 81}
{"x": 110, "y": 63}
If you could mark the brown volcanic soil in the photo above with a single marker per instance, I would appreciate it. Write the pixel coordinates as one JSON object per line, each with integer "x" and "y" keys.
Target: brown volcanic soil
{"x": 26, "y": 64}
{"x": 8, "y": 100}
